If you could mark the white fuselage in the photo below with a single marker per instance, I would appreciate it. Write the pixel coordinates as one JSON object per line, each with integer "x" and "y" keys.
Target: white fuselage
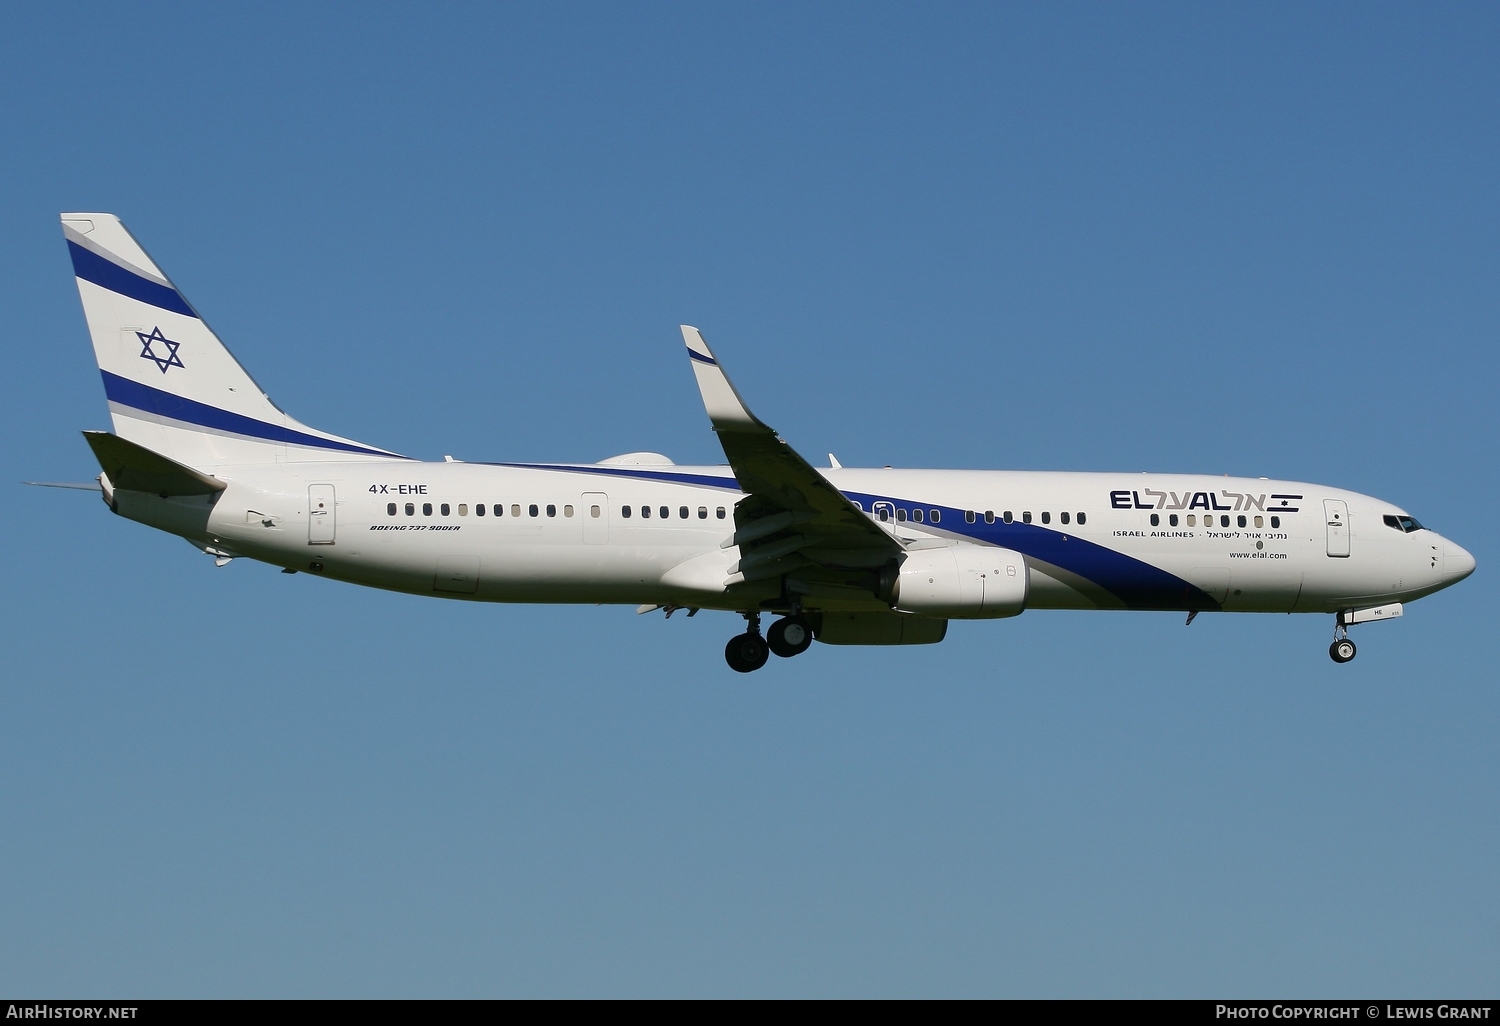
{"x": 561, "y": 534}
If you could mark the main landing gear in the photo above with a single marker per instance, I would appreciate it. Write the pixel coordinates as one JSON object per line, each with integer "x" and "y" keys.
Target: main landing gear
{"x": 1342, "y": 650}
{"x": 789, "y": 636}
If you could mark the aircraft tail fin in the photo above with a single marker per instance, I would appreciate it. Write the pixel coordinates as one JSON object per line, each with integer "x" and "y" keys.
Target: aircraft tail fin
{"x": 172, "y": 386}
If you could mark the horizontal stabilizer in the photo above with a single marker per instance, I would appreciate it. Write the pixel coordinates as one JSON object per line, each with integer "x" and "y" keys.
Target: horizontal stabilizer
{"x": 136, "y": 468}
{"x": 81, "y": 486}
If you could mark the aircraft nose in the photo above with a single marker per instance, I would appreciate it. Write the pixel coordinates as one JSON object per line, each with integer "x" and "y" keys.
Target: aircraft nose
{"x": 1457, "y": 562}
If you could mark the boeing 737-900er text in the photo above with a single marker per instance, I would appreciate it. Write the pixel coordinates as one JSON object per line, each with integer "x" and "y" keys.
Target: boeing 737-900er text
{"x": 842, "y": 555}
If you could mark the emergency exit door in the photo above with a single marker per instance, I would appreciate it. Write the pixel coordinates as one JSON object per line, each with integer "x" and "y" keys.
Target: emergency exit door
{"x": 1336, "y": 513}
{"x": 320, "y": 514}
{"x": 594, "y": 506}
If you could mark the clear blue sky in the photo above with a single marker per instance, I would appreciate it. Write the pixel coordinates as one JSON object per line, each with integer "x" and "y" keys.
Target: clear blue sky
{"x": 1081, "y": 237}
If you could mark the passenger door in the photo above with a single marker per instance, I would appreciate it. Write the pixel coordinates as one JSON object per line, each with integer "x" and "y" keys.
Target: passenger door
{"x": 595, "y": 509}
{"x": 321, "y": 518}
{"x": 1336, "y": 513}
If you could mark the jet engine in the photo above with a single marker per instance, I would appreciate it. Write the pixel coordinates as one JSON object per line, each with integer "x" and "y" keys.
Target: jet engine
{"x": 961, "y": 582}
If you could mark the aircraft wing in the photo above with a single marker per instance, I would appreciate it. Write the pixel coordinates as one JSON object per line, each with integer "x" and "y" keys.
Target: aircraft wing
{"x": 793, "y": 516}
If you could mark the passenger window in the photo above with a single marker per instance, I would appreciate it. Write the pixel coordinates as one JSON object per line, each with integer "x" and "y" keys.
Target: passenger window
{"x": 1046, "y": 517}
{"x": 551, "y": 510}
{"x": 665, "y": 512}
{"x": 479, "y": 509}
{"x": 390, "y": 509}
{"x": 916, "y": 515}
{"x": 625, "y": 512}
{"x": 411, "y": 510}
{"x": 1026, "y": 516}
{"x": 934, "y": 515}
{"x": 969, "y": 516}
{"x": 702, "y": 512}
{"x": 881, "y": 514}
{"x": 463, "y": 509}
{"x": 682, "y": 512}
{"x": 989, "y": 516}
{"x": 1242, "y": 521}
{"x": 1275, "y": 522}
{"x": 515, "y": 509}
{"x": 1224, "y": 520}
{"x": 1155, "y": 520}
{"x": 1064, "y": 516}
{"x": 1260, "y": 521}
{"x": 901, "y": 516}
{"x": 567, "y": 511}
{"x": 532, "y": 509}
{"x": 1009, "y": 517}
{"x": 1082, "y": 519}
{"x": 594, "y": 512}
{"x": 1192, "y": 520}
{"x": 719, "y": 513}
{"x": 1172, "y": 519}
{"x": 645, "y": 512}
{"x": 427, "y": 509}
{"x": 443, "y": 509}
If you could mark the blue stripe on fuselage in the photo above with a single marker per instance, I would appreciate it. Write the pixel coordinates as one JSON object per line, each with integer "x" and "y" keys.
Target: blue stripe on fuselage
{"x": 1136, "y": 583}
{"x": 90, "y": 266}
{"x": 703, "y": 480}
{"x": 165, "y": 404}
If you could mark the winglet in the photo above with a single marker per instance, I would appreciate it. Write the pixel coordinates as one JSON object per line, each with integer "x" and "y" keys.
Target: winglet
{"x": 726, "y": 409}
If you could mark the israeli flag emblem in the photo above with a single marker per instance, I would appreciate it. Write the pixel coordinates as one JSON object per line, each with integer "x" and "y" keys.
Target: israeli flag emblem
{"x": 169, "y": 348}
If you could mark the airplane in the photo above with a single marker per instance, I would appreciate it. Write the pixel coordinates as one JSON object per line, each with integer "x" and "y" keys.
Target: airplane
{"x": 844, "y": 556}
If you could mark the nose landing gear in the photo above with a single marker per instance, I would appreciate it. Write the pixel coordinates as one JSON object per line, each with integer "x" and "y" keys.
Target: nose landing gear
{"x": 1342, "y": 650}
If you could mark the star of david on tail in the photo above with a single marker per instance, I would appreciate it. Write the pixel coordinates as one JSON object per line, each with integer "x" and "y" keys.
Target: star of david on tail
{"x": 147, "y": 353}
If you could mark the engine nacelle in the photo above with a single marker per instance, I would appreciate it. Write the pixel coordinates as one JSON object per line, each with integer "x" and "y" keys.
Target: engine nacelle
{"x": 961, "y": 582}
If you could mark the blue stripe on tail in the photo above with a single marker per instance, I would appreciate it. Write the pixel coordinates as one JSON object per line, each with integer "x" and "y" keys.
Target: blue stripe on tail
{"x": 165, "y": 404}
{"x": 90, "y": 266}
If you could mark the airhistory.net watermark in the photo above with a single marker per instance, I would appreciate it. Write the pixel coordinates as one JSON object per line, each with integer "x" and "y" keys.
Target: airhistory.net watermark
{"x": 48, "y": 1010}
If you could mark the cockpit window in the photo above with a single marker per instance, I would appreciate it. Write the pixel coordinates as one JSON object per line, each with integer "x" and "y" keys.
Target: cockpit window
{"x": 1406, "y": 524}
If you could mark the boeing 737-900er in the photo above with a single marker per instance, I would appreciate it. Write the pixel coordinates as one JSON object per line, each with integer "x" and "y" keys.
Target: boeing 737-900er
{"x": 843, "y": 555}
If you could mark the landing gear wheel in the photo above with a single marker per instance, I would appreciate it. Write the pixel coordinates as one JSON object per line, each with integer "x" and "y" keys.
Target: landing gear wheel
{"x": 1342, "y": 650}
{"x": 789, "y": 636}
{"x": 746, "y": 652}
